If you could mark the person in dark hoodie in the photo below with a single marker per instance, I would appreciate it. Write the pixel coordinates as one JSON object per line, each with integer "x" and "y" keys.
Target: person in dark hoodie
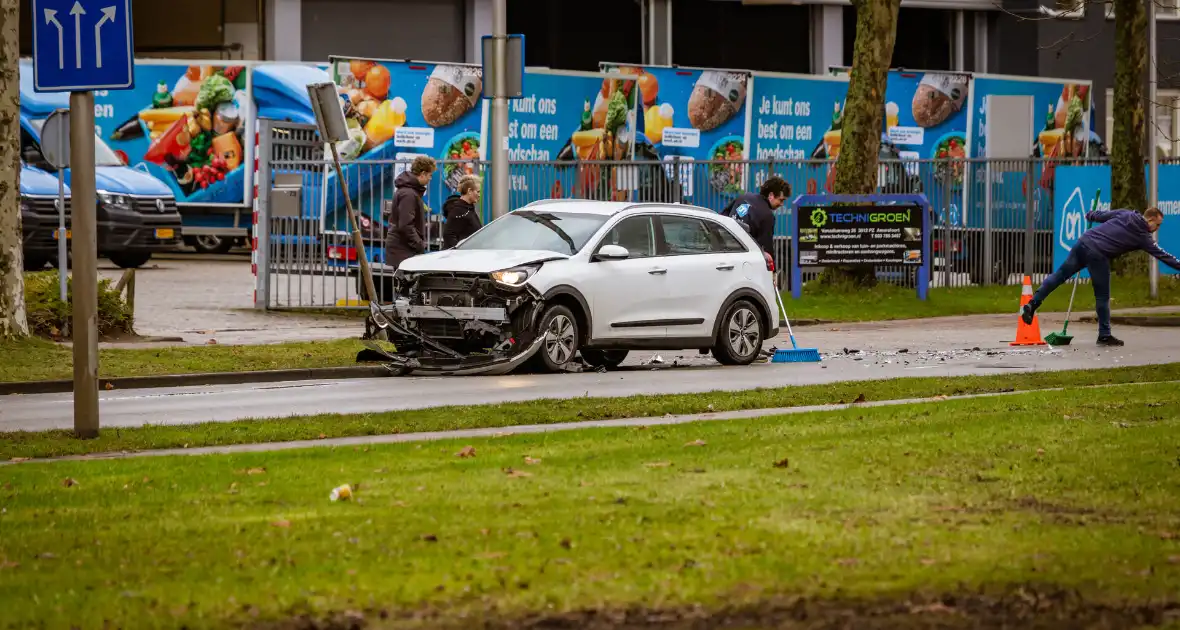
{"x": 1117, "y": 232}
{"x": 460, "y": 212}
{"x": 407, "y": 217}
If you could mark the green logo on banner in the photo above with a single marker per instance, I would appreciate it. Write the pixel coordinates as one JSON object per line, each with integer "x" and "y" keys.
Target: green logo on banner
{"x": 819, "y": 217}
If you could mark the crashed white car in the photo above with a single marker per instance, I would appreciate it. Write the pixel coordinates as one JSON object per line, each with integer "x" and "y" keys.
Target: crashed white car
{"x": 561, "y": 280}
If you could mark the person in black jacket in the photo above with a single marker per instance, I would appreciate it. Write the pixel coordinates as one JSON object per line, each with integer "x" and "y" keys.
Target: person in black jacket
{"x": 407, "y": 217}
{"x": 460, "y": 213}
{"x": 755, "y": 211}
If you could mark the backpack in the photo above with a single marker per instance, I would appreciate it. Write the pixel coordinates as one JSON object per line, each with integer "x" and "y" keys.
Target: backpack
{"x": 739, "y": 214}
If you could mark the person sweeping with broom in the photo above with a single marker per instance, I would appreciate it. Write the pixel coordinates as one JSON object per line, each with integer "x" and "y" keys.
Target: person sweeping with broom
{"x": 1117, "y": 232}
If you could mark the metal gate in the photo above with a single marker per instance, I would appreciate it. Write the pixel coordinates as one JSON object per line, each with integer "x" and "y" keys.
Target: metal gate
{"x": 992, "y": 220}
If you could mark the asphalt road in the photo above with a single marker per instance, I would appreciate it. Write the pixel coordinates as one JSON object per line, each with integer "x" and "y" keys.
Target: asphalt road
{"x": 945, "y": 347}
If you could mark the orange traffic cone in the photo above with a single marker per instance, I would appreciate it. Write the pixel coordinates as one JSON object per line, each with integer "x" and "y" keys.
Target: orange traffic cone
{"x": 1027, "y": 334}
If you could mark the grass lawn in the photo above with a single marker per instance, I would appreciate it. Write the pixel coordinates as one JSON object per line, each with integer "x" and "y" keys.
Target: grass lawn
{"x": 40, "y": 360}
{"x": 57, "y": 443}
{"x": 1076, "y": 491}
{"x": 888, "y": 301}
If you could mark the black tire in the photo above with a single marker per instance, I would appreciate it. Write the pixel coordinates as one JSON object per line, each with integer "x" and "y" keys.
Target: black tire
{"x": 739, "y": 335}
{"x": 609, "y": 359}
{"x": 130, "y": 260}
{"x": 35, "y": 263}
{"x": 210, "y": 244}
{"x": 560, "y": 328}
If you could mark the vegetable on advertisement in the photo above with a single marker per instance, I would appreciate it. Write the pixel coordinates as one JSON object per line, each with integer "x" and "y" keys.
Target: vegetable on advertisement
{"x": 214, "y": 91}
{"x": 174, "y": 142}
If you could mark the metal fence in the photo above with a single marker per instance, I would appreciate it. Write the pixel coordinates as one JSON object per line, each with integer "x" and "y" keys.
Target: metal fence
{"x": 989, "y": 226}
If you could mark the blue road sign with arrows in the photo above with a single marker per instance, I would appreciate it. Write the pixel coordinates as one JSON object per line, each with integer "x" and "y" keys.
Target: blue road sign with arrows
{"x": 82, "y": 45}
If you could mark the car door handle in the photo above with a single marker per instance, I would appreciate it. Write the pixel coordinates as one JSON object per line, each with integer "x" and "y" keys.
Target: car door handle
{"x": 658, "y": 271}
{"x": 725, "y": 267}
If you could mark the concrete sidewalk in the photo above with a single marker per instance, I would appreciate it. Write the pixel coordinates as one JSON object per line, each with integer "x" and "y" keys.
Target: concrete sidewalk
{"x": 528, "y": 429}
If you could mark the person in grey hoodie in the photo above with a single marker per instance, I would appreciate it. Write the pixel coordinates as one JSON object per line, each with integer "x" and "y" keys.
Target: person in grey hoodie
{"x": 1117, "y": 232}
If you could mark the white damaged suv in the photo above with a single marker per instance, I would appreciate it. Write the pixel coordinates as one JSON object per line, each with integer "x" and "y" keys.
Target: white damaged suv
{"x": 559, "y": 278}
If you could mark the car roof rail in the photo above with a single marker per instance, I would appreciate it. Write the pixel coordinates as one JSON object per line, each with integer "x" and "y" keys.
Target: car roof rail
{"x": 542, "y": 202}
{"x": 655, "y": 204}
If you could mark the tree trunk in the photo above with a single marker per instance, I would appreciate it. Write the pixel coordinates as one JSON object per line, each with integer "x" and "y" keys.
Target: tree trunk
{"x": 1128, "y": 186}
{"x": 12, "y": 283}
{"x": 864, "y": 110}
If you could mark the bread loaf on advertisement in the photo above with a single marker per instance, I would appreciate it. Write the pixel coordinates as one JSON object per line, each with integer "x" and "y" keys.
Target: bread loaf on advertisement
{"x": 938, "y": 97}
{"x": 715, "y": 98}
{"x": 451, "y": 91}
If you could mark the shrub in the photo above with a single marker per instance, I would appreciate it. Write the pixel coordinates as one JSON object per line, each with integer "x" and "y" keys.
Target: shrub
{"x": 50, "y": 317}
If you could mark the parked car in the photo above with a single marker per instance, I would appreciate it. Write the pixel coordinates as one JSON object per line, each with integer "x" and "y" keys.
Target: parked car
{"x": 136, "y": 213}
{"x": 39, "y": 217}
{"x": 559, "y": 278}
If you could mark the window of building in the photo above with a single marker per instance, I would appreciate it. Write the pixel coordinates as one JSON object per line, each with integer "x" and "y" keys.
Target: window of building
{"x": 1164, "y": 9}
{"x": 577, "y": 36}
{"x": 924, "y": 38}
{"x": 1072, "y": 9}
{"x": 711, "y": 34}
{"x": 1167, "y": 123}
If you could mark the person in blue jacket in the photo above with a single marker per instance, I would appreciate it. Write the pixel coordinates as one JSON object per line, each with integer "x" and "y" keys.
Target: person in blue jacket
{"x": 1117, "y": 232}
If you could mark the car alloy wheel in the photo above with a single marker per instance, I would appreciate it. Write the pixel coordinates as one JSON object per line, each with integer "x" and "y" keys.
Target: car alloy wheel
{"x": 743, "y": 332}
{"x": 560, "y": 339}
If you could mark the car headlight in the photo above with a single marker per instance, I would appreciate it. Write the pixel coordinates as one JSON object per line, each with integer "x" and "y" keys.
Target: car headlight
{"x": 515, "y": 276}
{"x": 112, "y": 199}
{"x": 379, "y": 318}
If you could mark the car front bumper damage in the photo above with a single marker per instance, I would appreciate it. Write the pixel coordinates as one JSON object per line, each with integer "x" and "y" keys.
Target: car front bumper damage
{"x": 483, "y": 329}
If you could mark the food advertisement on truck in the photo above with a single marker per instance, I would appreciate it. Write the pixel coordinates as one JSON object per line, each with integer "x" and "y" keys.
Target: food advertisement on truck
{"x": 1062, "y": 111}
{"x": 187, "y": 126}
{"x": 926, "y": 118}
{"x": 1074, "y": 193}
{"x": 695, "y": 114}
{"x": 398, "y": 110}
{"x": 795, "y": 118}
{"x": 568, "y": 117}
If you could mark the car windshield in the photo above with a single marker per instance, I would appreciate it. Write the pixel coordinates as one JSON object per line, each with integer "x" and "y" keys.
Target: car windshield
{"x": 103, "y": 155}
{"x": 563, "y": 232}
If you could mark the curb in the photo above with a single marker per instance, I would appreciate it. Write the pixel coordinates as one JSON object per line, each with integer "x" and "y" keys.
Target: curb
{"x": 1132, "y": 320}
{"x": 814, "y": 322}
{"x": 187, "y": 380}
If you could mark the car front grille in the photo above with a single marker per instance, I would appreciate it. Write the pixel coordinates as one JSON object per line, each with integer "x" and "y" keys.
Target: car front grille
{"x": 441, "y": 328}
{"x": 149, "y": 205}
{"x": 44, "y": 206}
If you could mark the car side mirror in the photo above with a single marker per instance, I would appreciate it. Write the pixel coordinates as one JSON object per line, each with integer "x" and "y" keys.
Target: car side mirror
{"x": 612, "y": 252}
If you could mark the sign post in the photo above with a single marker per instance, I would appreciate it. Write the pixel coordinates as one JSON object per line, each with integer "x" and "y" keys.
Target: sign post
{"x": 55, "y": 145}
{"x": 859, "y": 231}
{"x": 503, "y": 71}
{"x": 80, "y": 46}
